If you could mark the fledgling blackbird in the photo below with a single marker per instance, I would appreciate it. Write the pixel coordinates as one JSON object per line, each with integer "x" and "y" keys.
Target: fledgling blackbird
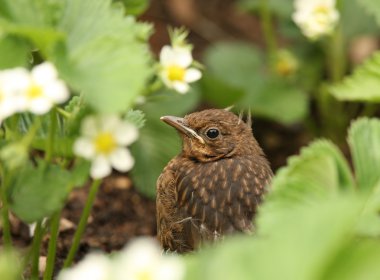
{"x": 214, "y": 185}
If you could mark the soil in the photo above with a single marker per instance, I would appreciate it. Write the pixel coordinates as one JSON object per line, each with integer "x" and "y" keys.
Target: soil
{"x": 120, "y": 212}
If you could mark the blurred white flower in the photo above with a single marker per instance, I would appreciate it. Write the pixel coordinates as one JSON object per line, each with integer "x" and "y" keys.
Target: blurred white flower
{"x": 36, "y": 91}
{"x": 11, "y": 91}
{"x": 142, "y": 260}
{"x": 95, "y": 266}
{"x": 316, "y": 18}
{"x": 176, "y": 72}
{"x": 103, "y": 142}
{"x": 43, "y": 89}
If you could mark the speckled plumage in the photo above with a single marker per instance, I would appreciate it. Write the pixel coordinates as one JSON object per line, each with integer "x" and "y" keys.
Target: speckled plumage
{"x": 213, "y": 186}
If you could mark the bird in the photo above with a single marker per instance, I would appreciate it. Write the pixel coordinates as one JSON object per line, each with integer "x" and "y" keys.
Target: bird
{"x": 213, "y": 187}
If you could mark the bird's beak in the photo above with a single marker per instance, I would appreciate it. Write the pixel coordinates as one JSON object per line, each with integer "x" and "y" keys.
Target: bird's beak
{"x": 179, "y": 124}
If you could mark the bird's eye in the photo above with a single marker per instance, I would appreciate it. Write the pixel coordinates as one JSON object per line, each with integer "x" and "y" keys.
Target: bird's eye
{"x": 212, "y": 133}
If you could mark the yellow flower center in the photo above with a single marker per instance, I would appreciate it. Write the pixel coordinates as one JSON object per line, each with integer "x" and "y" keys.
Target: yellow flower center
{"x": 105, "y": 143}
{"x": 144, "y": 275}
{"x": 283, "y": 68}
{"x": 176, "y": 73}
{"x": 321, "y": 9}
{"x": 34, "y": 91}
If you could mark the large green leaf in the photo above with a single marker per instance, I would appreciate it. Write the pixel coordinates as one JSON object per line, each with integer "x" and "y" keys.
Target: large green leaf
{"x": 14, "y": 52}
{"x": 363, "y": 84}
{"x": 219, "y": 93}
{"x": 39, "y": 191}
{"x": 33, "y": 19}
{"x": 320, "y": 171}
{"x": 372, "y": 7}
{"x": 158, "y": 142}
{"x": 237, "y": 64}
{"x": 135, "y": 7}
{"x": 304, "y": 244}
{"x": 241, "y": 68}
{"x": 276, "y": 99}
{"x": 320, "y": 168}
{"x": 104, "y": 56}
{"x": 97, "y": 49}
{"x": 364, "y": 140}
{"x": 359, "y": 260}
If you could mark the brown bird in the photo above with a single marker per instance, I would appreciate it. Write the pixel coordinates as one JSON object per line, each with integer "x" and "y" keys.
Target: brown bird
{"x": 213, "y": 187}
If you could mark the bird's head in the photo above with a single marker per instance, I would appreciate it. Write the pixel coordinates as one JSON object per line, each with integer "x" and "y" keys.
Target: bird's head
{"x": 213, "y": 134}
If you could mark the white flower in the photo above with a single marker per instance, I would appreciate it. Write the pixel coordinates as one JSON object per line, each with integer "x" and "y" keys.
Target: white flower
{"x": 43, "y": 89}
{"x": 12, "y": 84}
{"x": 175, "y": 68}
{"x": 103, "y": 142}
{"x": 95, "y": 266}
{"x": 142, "y": 260}
{"x": 315, "y": 17}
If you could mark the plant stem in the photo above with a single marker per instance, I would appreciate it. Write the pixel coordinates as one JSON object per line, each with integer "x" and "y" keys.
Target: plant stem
{"x": 54, "y": 232}
{"x": 82, "y": 223}
{"x": 267, "y": 27}
{"x": 38, "y": 234}
{"x": 50, "y": 142}
{"x": 336, "y": 56}
{"x": 64, "y": 113}
{"x": 7, "y": 238}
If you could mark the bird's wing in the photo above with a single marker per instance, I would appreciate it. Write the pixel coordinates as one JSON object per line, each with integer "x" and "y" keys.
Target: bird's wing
{"x": 222, "y": 197}
{"x": 173, "y": 227}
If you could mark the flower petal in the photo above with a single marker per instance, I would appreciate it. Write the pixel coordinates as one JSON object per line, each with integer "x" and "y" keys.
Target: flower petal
{"x": 121, "y": 159}
{"x": 100, "y": 167}
{"x": 57, "y": 91}
{"x": 109, "y": 123}
{"x": 180, "y": 56}
{"x": 95, "y": 266}
{"x": 170, "y": 268}
{"x": 192, "y": 75}
{"x": 40, "y": 106}
{"x": 167, "y": 56}
{"x": 44, "y": 72}
{"x": 183, "y": 57}
{"x": 89, "y": 126}
{"x": 181, "y": 87}
{"x": 84, "y": 147}
{"x": 126, "y": 134}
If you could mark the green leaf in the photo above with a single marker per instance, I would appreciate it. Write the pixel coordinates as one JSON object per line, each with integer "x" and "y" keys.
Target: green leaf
{"x": 237, "y": 64}
{"x": 79, "y": 173}
{"x": 219, "y": 93}
{"x": 302, "y": 245}
{"x": 351, "y": 11}
{"x": 364, "y": 140}
{"x": 14, "y": 52}
{"x": 320, "y": 169}
{"x": 104, "y": 56}
{"x": 369, "y": 224}
{"x": 39, "y": 191}
{"x": 158, "y": 142}
{"x": 372, "y": 7}
{"x": 276, "y": 99}
{"x": 359, "y": 260}
{"x": 10, "y": 265}
{"x": 363, "y": 84}
{"x": 136, "y": 117}
{"x": 35, "y": 21}
{"x": 135, "y": 7}
{"x": 240, "y": 67}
